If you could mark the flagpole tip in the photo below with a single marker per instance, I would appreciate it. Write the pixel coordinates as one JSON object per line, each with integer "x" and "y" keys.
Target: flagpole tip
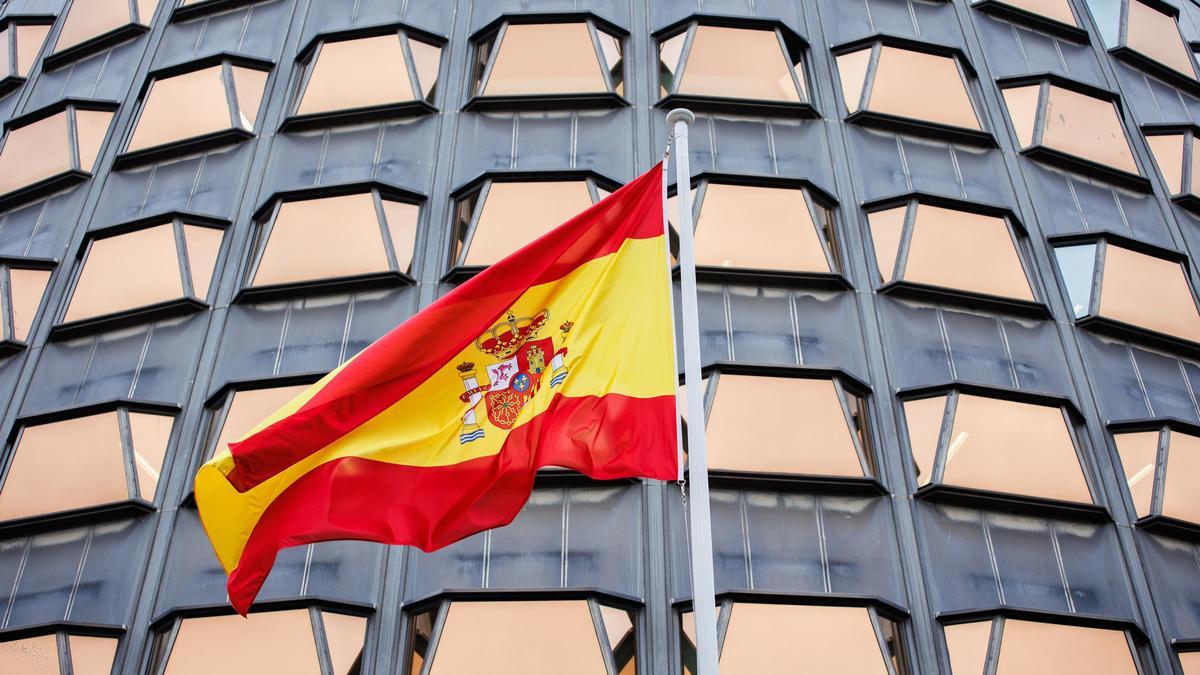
{"x": 680, "y": 115}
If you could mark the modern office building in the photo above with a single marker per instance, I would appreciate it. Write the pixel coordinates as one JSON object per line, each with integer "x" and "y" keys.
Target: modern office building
{"x": 948, "y": 283}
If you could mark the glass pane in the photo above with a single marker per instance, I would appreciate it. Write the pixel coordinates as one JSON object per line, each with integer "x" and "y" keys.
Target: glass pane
{"x": 91, "y": 125}
{"x": 1087, "y": 127}
{"x": 92, "y": 655}
{"x": 339, "y": 79}
{"x": 519, "y": 638}
{"x": 967, "y": 251}
{"x": 426, "y": 59}
{"x": 321, "y": 239}
{"x": 968, "y": 645}
{"x": 1191, "y": 663}
{"x": 402, "y": 226}
{"x": 30, "y": 656}
{"x": 6, "y": 65}
{"x": 65, "y": 465}
{"x": 29, "y": 43}
{"x": 524, "y": 65}
{"x": 788, "y": 639}
{"x": 852, "y": 69}
{"x": 203, "y": 245}
{"x": 27, "y": 287}
{"x": 1058, "y": 10}
{"x": 1077, "y": 265}
{"x": 127, "y": 271}
{"x": 759, "y": 228}
{"x": 754, "y": 424}
{"x": 265, "y": 642}
{"x": 1181, "y": 499}
{"x": 1168, "y": 156}
{"x": 1030, "y": 647}
{"x": 146, "y": 10}
{"x": 248, "y": 408}
{"x": 617, "y": 624}
{"x": 924, "y": 417}
{"x": 669, "y": 51}
{"x": 761, "y": 70}
{"x": 87, "y": 20}
{"x": 182, "y": 107}
{"x": 1149, "y": 292}
{"x": 249, "y": 85}
{"x": 345, "y": 635}
{"x": 150, "y": 434}
{"x": 1194, "y": 188}
{"x": 943, "y": 95}
{"x": 1156, "y": 35}
{"x": 422, "y": 630}
{"x": 506, "y": 222}
{"x": 887, "y": 228}
{"x": 1022, "y": 103}
{"x": 1139, "y": 452}
{"x": 1013, "y": 447}
{"x": 35, "y": 152}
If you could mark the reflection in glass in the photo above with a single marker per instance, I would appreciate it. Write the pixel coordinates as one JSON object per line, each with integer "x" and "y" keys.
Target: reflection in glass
{"x": 894, "y": 77}
{"x": 337, "y": 80}
{"x": 1130, "y": 278}
{"x": 41, "y": 655}
{"x": 25, "y": 289}
{"x": 20, "y": 44}
{"x": 198, "y": 104}
{"x": 769, "y": 228}
{"x": 518, "y": 65}
{"x": 87, "y": 21}
{"x": 1072, "y": 123}
{"x": 42, "y": 150}
{"x": 497, "y": 220}
{"x": 763, "y": 70}
{"x": 1040, "y": 647}
{"x": 1140, "y": 456}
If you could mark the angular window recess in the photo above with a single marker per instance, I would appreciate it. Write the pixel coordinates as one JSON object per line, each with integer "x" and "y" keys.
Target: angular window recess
{"x": 976, "y": 442}
{"x": 242, "y": 410}
{"x": 47, "y": 654}
{"x": 878, "y": 78}
{"x": 1053, "y": 16}
{"x": 581, "y": 636}
{"x": 1109, "y": 284}
{"x": 1029, "y": 646}
{"x": 164, "y": 265}
{"x": 768, "y": 75}
{"x": 334, "y": 240}
{"x": 51, "y": 149}
{"x": 93, "y": 25}
{"x": 306, "y": 641}
{"x": 214, "y": 103}
{"x": 746, "y": 228}
{"x": 1073, "y": 126}
{"x": 334, "y": 87}
{"x": 511, "y": 64}
{"x": 22, "y": 287}
{"x": 764, "y": 638}
{"x": 945, "y": 247}
{"x": 95, "y": 461}
{"x": 21, "y": 39}
{"x": 1146, "y": 34}
{"x": 1178, "y": 160}
{"x": 494, "y": 219}
{"x": 1162, "y": 470}
{"x": 751, "y": 423}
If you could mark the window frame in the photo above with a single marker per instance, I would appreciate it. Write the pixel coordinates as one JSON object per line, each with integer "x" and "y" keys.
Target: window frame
{"x": 57, "y": 58}
{"x": 488, "y": 37}
{"x": 1007, "y": 12}
{"x": 814, "y": 196}
{"x": 439, "y": 604}
{"x": 188, "y": 303}
{"x": 263, "y": 221}
{"x": 1099, "y": 323}
{"x": 981, "y": 137}
{"x": 1189, "y": 195}
{"x": 63, "y": 631}
{"x": 1058, "y": 158}
{"x": 902, "y": 288}
{"x": 793, "y": 45}
{"x": 181, "y": 13}
{"x": 132, "y": 506}
{"x": 76, "y": 173}
{"x": 1123, "y": 51}
{"x": 938, "y": 491}
{"x": 305, "y": 66}
{"x": 12, "y": 80}
{"x": 231, "y": 136}
{"x": 878, "y": 608}
{"x": 9, "y": 342}
{"x": 1155, "y": 521}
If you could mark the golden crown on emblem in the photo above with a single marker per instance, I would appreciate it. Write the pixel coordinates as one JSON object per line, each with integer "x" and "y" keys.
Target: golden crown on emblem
{"x": 505, "y": 338}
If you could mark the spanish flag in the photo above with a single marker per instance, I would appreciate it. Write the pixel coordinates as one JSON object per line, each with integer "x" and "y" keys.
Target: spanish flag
{"x": 559, "y": 355}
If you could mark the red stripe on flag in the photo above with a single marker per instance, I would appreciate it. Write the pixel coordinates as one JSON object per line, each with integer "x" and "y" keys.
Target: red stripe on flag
{"x": 604, "y": 437}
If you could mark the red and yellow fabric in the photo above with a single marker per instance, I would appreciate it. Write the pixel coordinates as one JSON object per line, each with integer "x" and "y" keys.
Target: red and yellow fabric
{"x": 559, "y": 355}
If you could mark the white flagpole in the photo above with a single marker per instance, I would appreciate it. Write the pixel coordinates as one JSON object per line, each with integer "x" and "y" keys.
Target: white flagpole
{"x": 703, "y": 593}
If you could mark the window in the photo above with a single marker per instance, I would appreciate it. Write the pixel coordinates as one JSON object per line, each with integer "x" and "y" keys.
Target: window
{"x": 1174, "y": 150}
{"x": 1170, "y": 491}
{"x": 1190, "y": 662}
{"x": 880, "y": 79}
{"x": 1055, "y": 11}
{"x": 1146, "y": 34}
{"x": 43, "y": 654}
{"x": 549, "y": 59}
{"x": 696, "y": 63}
{"x": 339, "y": 237}
{"x": 523, "y": 637}
{"x": 776, "y": 639}
{"x": 495, "y": 220}
{"x": 751, "y": 426}
{"x": 1054, "y": 122}
{"x": 20, "y": 42}
{"x": 50, "y": 149}
{"x": 213, "y": 103}
{"x": 242, "y": 410}
{"x": 949, "y": 248}
{"x": 298, "y": 641}
{"x": 21, "y": 290}
{"x": 98, "y": 459}
{"x": 762, "y": 227}
{"x": 149, "y": 268}
{"x": 403, "y": 71}
{"x": 1023, "y": 646}
{"x": 990, "y": 444}
{"x": 1107, "y": 282}
{"x": 91, "y": 24}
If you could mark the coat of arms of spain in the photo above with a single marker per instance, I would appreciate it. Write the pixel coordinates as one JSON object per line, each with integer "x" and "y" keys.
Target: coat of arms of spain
{"x": 522, "y": 358}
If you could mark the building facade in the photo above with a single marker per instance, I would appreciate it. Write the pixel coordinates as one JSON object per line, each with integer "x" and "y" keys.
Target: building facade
{"x": 947, "y": 296}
